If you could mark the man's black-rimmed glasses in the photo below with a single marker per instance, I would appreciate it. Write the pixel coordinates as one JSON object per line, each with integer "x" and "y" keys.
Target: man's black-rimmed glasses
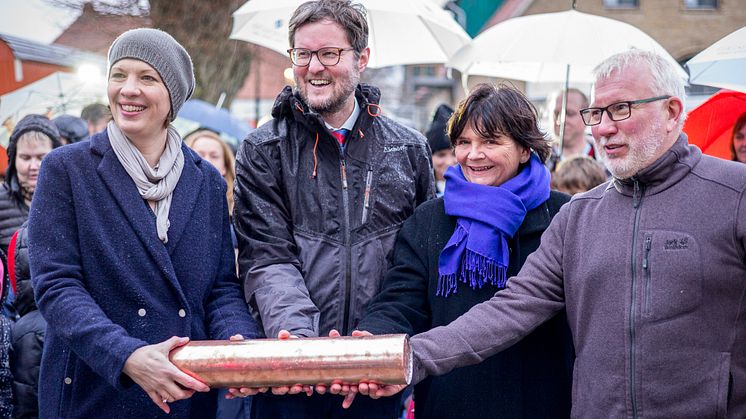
{"x": 618, "y": 111}
{"x": 327, "y": 56}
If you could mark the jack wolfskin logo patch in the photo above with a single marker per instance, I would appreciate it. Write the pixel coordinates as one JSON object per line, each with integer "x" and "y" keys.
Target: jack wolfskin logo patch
{"x": 677, "y": 244}
{"x": 394, "y": 149}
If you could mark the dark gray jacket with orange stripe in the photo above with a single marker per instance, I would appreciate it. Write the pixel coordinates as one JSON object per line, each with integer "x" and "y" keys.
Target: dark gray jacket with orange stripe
{"x": 315, "y": 222}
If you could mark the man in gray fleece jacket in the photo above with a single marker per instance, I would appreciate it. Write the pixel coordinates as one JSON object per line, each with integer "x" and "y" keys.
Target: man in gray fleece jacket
{"x": 651, "y": 268}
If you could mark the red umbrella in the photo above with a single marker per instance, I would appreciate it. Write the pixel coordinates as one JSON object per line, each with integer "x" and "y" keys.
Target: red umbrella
{"x": 710, "y": 125}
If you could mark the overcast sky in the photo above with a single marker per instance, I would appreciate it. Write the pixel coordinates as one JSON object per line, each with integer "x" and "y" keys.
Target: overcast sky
{"x": 34, "y": 19}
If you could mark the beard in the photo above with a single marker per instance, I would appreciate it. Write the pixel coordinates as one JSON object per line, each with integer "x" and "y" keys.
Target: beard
{"x": 641, "y": 153}
{"x": 344, "y": 87}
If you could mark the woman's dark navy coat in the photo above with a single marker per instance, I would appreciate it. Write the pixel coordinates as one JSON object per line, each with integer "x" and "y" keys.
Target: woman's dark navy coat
{"x": 107, "y": 285}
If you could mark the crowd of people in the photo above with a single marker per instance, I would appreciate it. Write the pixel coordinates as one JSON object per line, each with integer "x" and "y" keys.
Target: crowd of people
{"x": 599, "y": 275}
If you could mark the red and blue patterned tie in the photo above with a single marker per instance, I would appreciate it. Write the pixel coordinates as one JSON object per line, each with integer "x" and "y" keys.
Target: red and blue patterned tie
{"x": 340, "y": 135}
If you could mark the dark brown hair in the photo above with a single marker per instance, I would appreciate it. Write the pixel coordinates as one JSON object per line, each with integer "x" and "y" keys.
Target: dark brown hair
{"x": 740, "y": 122}
{"x": 500, "y": 110}
{"x": 350, "y": 16}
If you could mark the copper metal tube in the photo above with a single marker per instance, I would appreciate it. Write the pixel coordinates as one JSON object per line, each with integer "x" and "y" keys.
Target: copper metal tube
{"x": 383, "y": 359}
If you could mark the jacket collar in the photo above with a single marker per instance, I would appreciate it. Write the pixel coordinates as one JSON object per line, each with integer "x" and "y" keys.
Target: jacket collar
{"x": 136, "y": 211}
{"x": 290, "y": 104}
{"x": 665, "y": 172}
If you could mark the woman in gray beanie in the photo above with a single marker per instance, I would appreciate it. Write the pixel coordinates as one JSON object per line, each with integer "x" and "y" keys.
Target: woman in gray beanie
{"x": 32, "y": 138}
{"x": 137, "y": 256}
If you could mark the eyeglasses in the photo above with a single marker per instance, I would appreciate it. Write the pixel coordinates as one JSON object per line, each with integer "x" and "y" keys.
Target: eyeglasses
{"x": 617, "y": 111}
{"x": 327, "y": 56}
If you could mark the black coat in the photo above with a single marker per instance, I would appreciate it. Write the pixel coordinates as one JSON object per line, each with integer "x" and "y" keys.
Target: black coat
{"x": 13, "y": 213}
{"x": 27, "y": 340}
{"x": 532, "y": 379}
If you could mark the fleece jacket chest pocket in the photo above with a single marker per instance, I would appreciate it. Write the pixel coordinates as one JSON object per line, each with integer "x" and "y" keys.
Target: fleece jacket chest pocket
{"x": 671, "y": 274}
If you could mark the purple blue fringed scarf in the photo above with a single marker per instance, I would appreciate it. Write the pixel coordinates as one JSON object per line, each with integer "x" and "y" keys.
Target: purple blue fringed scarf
{"x": 477, "y": 252}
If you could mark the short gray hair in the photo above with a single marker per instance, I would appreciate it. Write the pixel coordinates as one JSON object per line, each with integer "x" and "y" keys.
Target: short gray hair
{"x": 666, "y": 80}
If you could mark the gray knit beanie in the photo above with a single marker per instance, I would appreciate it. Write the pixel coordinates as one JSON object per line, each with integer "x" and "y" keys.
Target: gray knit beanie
{"x": 162, "y": 52}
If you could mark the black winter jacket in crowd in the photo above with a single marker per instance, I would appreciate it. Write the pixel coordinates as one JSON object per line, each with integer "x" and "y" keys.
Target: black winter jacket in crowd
{"x": 531, "y": 379}
{"x": 13, "y": 213}
{"x": 315, "y": 221}
{"x": 28, "y": 336}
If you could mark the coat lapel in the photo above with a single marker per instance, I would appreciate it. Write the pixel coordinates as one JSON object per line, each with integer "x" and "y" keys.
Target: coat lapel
{"x": 184, "y": 199}
{"x": 125, "y": 193}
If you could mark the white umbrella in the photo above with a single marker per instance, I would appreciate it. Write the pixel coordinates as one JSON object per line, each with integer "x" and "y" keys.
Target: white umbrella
{"x": 400, "y": 31}
{"x": 551, "y": 47}
{"x": 539, "y": 48}
{"x": 56, "y": 93}
{"x": 722, "y": 64}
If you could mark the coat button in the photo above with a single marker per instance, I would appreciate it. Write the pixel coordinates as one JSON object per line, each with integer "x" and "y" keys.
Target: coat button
{"x": 141, "y": 312}
{"x": 68, "y": 380}
{"x": 182, "y": 313}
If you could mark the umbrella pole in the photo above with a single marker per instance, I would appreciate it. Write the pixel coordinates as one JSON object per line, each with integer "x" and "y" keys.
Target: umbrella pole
{"x": 564, "y": 109}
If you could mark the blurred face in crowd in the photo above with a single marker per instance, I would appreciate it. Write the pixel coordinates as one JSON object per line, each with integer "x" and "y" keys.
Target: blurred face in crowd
{"x": 739, "y": 144}
{"x": 32, "y": 147}
{"x": 211, "y": 150}
{"x": 574, "y": 126}
{"x": 441, "y": 161}
{"x": 630, "y": 145}
{"x": 97, "y": 126}
{"x": 328, "y": 90}
{"x": 139, "y": 100}
{"x": 488, "y": 161}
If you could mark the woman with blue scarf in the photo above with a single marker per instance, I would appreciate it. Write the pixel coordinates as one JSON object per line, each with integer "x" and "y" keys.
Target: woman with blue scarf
{"x": 459, "y": 250}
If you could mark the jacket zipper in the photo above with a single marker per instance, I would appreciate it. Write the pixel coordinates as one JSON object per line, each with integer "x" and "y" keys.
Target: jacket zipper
{"x": 646, "y": 269}
{"x": 636, "y": 204}
{"x": 348, "y": 251}
{"x": 366, "y": 198}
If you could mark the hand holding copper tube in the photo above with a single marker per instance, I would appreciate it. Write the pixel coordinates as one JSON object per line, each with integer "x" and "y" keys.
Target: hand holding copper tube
{"x": 296, "y": 388}
{"x": 150, "y": 368}
{"x": 241, "y": 392}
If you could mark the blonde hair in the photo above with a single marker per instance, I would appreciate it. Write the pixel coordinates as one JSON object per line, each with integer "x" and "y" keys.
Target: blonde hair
{"x": 228, "y": 159}
{"x": 577, "y": 174}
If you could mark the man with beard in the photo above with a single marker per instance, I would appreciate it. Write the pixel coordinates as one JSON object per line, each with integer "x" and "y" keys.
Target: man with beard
{"x": 321, "y": 192}
{"x": 650, "y": 266}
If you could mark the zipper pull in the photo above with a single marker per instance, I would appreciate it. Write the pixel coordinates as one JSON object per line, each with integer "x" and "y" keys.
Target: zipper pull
{"x": 344, "y": 175}
{"x": 366, "y": 198}
{"x": 648, "y": 242}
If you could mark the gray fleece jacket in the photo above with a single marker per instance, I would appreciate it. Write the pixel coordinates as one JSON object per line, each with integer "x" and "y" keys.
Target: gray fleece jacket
{"x": 652, "y": 273}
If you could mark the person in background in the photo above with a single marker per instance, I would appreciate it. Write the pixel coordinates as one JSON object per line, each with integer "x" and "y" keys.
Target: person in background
{"x": 578, "y": 174}
{"x": 650, "y": 269}
{"x": 440, "y": 146}
{"x": 214, "y": 149}
{"x": 575, "y": 141}
{"x": 97, "y": 116}
{"x": 130, "y": 251}
{"x": 31, "y": 140}
{"x": 321, "y": 191}
{"x": 72, "y": 129}
{"x": 27, "y": 341}
{"x": 208, "y": 145}
{"x": 456, "y": 252}
{"x": 6, "y": 376}
{"x": 738, "y": 140}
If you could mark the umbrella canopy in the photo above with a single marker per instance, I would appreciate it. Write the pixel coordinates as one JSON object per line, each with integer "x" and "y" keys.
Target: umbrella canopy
{"x": 54, "y": 94}
{"x": 710, "y": 125}
{"x": 723, "y": 64}
{"x": 400, "y": 32}
{"x": 199, "y": 114}
{"x": 539, "y": 48}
